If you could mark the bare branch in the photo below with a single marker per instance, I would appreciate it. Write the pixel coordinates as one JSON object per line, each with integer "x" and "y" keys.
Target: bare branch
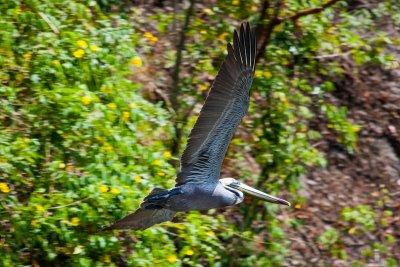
{"x": 332, "y": 55}
{"x": 263, "y": 13}
{"x": 70, "y": 204}
{"x": 178, "y": 60}
{"x": 264, "y": 33}
{"x": 48, "y": 21}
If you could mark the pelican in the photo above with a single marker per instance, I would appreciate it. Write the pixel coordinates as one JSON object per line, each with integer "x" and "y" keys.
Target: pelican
{"x": 198, "y": 184}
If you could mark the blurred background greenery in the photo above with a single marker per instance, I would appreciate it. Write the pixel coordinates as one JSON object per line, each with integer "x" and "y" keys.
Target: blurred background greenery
{"x": 97, "y": 98}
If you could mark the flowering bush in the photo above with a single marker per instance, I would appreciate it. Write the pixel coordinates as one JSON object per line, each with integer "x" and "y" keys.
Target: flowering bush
{"x": 79, "y": 147}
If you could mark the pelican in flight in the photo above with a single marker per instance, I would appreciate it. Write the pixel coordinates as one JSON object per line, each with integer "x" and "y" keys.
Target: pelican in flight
{"x": 198, "y": 184}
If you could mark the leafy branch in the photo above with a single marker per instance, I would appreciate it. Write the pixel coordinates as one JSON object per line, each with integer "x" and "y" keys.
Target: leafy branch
{"x": 309, "y": 11}
{"x": 265, "y": 31}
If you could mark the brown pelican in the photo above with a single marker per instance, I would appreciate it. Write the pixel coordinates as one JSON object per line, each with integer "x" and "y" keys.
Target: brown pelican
{"x": 198, "y": 184}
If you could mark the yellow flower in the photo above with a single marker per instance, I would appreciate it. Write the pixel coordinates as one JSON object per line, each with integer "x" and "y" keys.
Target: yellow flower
{"x": 27, "y": 56}
{"x": 154, "y": 40}
{"x": 171, "y": 259}
{"x": 156, "y": 162}
{"x": 61, "y": 165}
{"x": 78, "y": 53}
{"x": 106, "y": 89}
{"x": 352, "y": 230}
{"x": 267, "y": 74}
{"x": 297, "y": 206}
{"x": 125, "y": 115}
{"x": 108, "y": 148}
{"x": 82, "y": 44}
{"x": 56, "y": 62}
{"x": 254, "y": 8}
{"x": 69, "y": 168}
{"x": 103, "y": 188}
{"x": 106, "y": 259}
{"x": 222, "y": 36}
{"x": 74, "y": 221}
{"x": 189, "y": 252}
{"x": 161, "y": 173}
{"x": 115, "y": 191}
{"x": 4, "y": 188}
{"x": 137, "y": 178}
{"x": 136, "y": 61}
{"x": 167, "y": 154}
{"x": 235, "y": 2}
{"x": 208, "y": 11}
{"x": 17, "y": 11}
{"x": 211, "y": 233}
{"x": 86, "y": 100}
{"x": 112, "y": 106}
{"x": 356, "y": 128}
{"x": 34, "y": 223}
{"x": 150, "y": 37}
{"x": 94, "y": 48}
{"x": 203, "y": 87}
{"x": 285, "y": 61}
{"x": 40, "y": 208}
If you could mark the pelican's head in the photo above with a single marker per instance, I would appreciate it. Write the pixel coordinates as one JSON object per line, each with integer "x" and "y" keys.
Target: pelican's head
{"x": 230, "y": 183}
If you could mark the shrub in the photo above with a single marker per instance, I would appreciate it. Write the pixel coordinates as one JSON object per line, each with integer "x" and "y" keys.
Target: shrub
{"x": 79, "y": 146}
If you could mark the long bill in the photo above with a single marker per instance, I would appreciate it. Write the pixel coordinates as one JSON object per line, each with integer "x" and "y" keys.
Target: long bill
{"x": 257, "y": 193}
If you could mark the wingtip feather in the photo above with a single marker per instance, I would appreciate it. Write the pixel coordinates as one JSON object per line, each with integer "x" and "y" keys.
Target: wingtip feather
{"x": 245, "y": 45}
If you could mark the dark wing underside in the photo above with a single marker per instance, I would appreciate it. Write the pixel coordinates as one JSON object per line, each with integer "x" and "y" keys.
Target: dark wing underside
{"x": 143, "y": 218}
{"x": 225, "y": 106}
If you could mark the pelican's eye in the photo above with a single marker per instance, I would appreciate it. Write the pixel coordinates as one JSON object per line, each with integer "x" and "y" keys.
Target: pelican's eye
{"x": 234, "y": 184}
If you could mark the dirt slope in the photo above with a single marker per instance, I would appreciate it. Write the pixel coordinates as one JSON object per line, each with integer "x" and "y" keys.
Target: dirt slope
{"x": 370, "y": 177}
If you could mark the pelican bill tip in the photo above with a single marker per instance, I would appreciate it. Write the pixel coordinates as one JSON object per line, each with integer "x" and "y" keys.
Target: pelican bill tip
{"x": 284, "y": 202}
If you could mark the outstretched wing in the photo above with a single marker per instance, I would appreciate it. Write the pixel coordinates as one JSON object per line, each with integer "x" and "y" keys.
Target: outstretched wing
{"x": 143, "y": 218}
{"x": 226, "y": 104}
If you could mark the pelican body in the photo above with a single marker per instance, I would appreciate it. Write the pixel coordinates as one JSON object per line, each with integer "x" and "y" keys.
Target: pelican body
{"x": 198, "y": 184}
{"x": 202, "y": 196}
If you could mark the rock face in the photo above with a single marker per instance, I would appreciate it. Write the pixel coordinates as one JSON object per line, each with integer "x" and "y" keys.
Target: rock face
{"x": 371, "y": 176}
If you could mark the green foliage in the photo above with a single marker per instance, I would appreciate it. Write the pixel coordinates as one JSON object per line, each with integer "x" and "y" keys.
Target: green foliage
{"x": 329, "y": 237}
{"x": 80, "y": 146}
{"x": 330, "y": 240}
{"x": 360, "y": 220}
{"x": 360, "y": 215}
{"x": 337, "y": 120}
